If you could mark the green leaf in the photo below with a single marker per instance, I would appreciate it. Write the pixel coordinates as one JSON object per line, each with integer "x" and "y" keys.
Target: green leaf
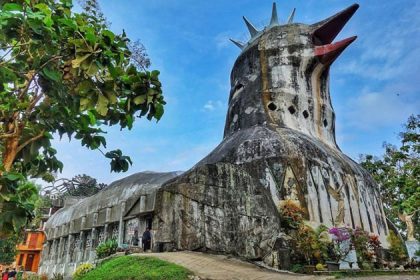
{"x": 158, "y": 111}
{"x": 76, "y": 62}
{"x": 52, "y": 74}
{"x": 11, "y": 7}
{"x": 139, "y": 99}
{"x": 109, "y": 34}
{"x": 48, "y": 21}
{"x": 102, "y": 105}
{"x": 155, "y": 74}
{"x": 85, "y": 103}
{"x": 92, "y": 118}
{"x": 13, "y": 176}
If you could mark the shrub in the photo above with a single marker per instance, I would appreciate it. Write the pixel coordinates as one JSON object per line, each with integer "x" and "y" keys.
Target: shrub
{"x": 291, "y": 214}
{"x": 82, "y": 270}
{"x": 396, "y": 248}
{"x": 297, "y": 268}
{"x": 319, "y": 267}
{"x": 106, "y": 248}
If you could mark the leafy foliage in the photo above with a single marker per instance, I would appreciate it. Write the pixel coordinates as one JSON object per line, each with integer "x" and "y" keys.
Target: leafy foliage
{"x": 396, "y": 247}
{"x": 65, "y": 73}
{"x": 82, "y": 269}
{"x": 17, "y": 203}
{"x": 106, "y": 248}
{"x": 8, "y": 249}
{"x": 398, "y": 175}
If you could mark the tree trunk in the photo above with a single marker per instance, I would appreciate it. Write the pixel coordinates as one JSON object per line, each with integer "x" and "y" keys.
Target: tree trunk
{"x": 10, "y": 152}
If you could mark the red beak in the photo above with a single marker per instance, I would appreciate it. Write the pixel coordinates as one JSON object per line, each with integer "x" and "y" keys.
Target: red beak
{"x": 328, "y": 53}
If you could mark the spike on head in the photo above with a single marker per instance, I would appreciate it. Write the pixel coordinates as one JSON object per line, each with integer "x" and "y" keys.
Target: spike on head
{"x": 328, "y": 53}
{"x": 237, "y": 43}
{"x": 252, "y": 30}
{"x": 292, "y": 15}
{"x": 326, "y": 30}
{"x": 274, "y": 19}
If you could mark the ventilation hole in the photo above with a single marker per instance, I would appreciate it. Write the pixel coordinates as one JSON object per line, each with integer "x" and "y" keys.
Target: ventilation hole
{"x": 305, "y": 114}
{"x": 325, "y": 122}
{"x": 272, "y": 106}
{"x": 291, "y": 109}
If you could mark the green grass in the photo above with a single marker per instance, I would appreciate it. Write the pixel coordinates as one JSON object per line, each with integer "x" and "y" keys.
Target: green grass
{"x": 137, "y": 268}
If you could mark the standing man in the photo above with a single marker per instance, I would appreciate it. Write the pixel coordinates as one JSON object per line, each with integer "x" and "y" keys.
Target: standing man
{"x": 146, "y": 239}
{"x": 12, "y": 274}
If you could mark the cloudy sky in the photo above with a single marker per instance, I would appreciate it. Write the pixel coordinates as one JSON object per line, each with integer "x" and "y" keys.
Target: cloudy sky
{"x": 375, "y": 84}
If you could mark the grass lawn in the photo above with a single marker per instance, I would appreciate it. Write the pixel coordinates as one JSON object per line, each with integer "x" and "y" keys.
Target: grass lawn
{"x": 137, "y": 268}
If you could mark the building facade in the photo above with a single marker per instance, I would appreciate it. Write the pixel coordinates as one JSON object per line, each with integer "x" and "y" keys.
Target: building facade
{"x": 29, "y": 251}
{"x": 121, "y": 211}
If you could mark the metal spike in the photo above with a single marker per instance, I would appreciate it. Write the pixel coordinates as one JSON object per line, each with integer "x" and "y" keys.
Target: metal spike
{"x": 292, "y": 15}
{"x": 252, "y": 30}
{"x": 274, "y": 19}
{"x": 237, "y": 43}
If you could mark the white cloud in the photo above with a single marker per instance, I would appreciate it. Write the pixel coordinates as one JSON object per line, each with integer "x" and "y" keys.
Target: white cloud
{"x": 212, "y": 106}
{"x": 375, "y": 110}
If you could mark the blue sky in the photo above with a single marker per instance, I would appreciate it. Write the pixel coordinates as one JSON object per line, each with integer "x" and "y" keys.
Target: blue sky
{"x": 374, "y": 84}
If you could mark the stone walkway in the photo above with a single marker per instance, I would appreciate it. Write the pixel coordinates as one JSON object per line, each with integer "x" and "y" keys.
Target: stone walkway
{"x": 218, "y": 267}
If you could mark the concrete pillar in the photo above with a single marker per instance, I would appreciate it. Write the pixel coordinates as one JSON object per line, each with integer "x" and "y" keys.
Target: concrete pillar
{"x": 53, "y": 254}
{"x": 107, "y": 219}
{"x": 60, "y": 248}
{"x": 93, "y": 244}
{"x": 79, "y": 255}
{"x": 121, "y": 225}
{"x": 142, "y": 203}
{"x": 69, "y": 246}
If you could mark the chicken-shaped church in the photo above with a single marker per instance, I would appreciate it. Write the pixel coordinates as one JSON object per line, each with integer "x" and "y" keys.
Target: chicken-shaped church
{"x": 279, "y": 144}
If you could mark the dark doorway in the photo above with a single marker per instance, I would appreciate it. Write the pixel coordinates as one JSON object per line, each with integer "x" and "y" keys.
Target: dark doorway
{"x": 29, "y": 262}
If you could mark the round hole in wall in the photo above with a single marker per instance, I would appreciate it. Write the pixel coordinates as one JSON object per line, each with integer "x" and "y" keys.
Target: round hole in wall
{"x": 272, "y": 106}
{"x": 305, "y": 114}
{"x": 291, "y": 109}
{"x": 325, "y": 122}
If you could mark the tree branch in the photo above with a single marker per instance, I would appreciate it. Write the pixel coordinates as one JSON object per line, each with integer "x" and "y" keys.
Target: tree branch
{"x": 40, "y": 135}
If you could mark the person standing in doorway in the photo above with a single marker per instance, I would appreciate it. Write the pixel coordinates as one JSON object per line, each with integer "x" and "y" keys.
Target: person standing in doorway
{"x": 12, "y": 274}
{"x": 146, "y": 239}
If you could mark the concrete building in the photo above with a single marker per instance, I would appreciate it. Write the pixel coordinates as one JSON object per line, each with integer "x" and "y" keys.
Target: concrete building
{"x": 74, "y": 231}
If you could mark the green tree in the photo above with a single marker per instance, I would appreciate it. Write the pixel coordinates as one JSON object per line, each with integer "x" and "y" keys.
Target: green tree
{"x": 8, "y": 249}
{"x": 19, "y": 199}
{"x": 66, "y": 73}
{"x": 398, "y": 175}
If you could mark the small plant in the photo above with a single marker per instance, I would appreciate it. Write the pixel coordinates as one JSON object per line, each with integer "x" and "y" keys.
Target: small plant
{"x": 297, "y": 268}
{"x": 396, "y": 248}
{"x": 106, "y": 248}
{"x": 338, "y": 249}
{"x": 82, "y": 270}
{"x": 319, "y": 267}
{"x": 306, "y": 243}
{"x": 291, "y": 214}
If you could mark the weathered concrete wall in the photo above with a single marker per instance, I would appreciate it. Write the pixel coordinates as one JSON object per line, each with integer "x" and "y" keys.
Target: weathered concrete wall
{"x": 74, "y": 231}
